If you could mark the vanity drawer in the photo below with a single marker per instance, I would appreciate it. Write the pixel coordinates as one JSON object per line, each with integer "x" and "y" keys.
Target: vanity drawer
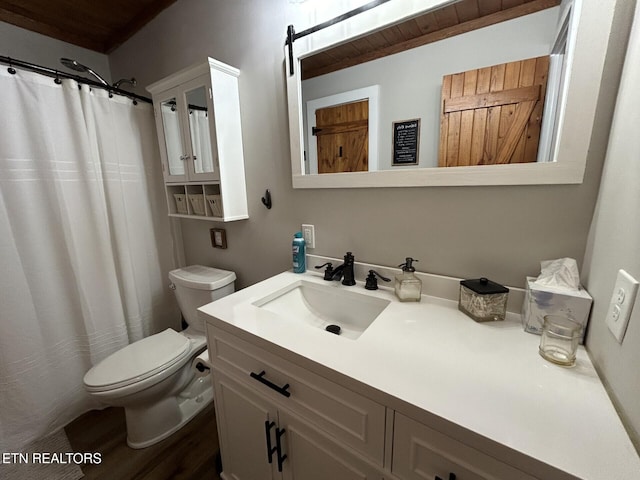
{"x": 421, "y": 453}
{"x": 352, "y": 419}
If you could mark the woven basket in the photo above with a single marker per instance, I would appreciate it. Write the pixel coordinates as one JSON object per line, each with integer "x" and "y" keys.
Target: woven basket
{"x": 181, "y": 203}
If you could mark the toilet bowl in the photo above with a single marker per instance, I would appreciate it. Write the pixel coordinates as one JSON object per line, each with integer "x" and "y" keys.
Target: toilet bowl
{"x": 155, "y": 379}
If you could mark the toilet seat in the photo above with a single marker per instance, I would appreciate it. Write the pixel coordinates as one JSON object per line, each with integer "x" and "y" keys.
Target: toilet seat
{"x": 138, "y": 361}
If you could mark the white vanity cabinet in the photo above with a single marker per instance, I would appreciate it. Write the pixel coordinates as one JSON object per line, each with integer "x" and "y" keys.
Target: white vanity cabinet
{"x": 277, "y": 420}
{"x": 261, "y": 439}
{"x": 197, "y": 113}
{"x": 424, "y": 393}
{"x": 422, "y": 453}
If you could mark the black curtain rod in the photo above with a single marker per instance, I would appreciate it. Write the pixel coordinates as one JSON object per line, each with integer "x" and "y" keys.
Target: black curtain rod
{"x": 57, "y": 74}
{"x": 190, "y": 106}
{"x": 292, "y": 36}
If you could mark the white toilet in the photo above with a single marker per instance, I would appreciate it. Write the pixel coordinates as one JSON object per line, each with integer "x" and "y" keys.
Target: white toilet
{"x": 154, "y": 379}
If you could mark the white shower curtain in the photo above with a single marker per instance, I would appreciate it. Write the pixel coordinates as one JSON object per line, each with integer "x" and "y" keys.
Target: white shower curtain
{"x": 85, "y": 245}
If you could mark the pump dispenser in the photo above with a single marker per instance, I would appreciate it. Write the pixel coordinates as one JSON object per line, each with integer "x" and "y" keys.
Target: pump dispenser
{"x": 408, "y": 287}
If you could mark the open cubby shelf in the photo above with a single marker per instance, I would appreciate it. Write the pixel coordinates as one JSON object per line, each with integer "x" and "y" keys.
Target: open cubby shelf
{"x": 202, "y": 201}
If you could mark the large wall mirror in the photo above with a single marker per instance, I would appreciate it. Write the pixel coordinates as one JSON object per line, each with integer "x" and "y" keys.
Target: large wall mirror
{"x": 437, "y": 93}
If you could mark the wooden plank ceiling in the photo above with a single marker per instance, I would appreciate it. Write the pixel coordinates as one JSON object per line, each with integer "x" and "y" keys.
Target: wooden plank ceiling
{"x": 99, "y": 25}
{"x": 454, "y": 19}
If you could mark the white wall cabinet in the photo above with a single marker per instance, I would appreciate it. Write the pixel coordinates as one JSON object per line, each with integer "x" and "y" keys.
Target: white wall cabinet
{"x": 197, "y": 113}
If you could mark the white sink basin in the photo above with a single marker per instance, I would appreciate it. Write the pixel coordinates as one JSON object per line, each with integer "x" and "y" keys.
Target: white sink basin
{"x": 323, "y": 305}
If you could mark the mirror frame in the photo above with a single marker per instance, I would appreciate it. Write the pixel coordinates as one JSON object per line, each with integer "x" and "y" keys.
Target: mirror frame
{"x": 592, "y": 22}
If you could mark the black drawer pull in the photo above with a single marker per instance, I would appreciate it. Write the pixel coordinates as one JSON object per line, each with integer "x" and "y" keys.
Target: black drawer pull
{"x": 281, "y": 458}
{"x": 281, "y": 390}
{"x": 270, "y": 450}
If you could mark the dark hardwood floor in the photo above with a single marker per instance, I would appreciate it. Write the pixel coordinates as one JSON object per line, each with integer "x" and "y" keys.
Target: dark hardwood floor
{"x": 188, "y": 454}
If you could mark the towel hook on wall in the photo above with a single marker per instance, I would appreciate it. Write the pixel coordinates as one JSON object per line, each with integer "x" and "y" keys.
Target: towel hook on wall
{"x": 266, "y": 200}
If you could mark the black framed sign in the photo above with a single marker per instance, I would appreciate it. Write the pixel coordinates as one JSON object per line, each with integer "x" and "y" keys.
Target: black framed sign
{"x": 406, "y": 139}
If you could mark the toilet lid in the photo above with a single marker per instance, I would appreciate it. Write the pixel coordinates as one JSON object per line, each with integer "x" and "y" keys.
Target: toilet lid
{"x": 202, "y": 278}
{"x": 138, "y": 361}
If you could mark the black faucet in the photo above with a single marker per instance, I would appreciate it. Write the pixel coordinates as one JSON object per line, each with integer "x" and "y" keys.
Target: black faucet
{"x": 335, "y": 274}
{"x": 348, "y": 275}
{"x": 344, "y": 271}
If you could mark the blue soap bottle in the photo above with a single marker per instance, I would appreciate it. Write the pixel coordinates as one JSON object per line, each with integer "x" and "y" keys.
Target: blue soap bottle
{"x": 299, "y": 251}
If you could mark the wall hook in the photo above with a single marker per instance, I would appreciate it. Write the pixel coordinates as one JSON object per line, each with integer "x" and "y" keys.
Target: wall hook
{"x": 57, "y": 80}
{"x": 266, "y": 200}
{"x": 11, "y": 70}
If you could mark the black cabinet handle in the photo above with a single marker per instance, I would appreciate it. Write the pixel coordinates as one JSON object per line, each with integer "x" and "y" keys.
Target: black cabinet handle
{"x": 267, "y": 429}
{"x": 452, "y": 476}
{"x": 281, "y": 458}
{"x": 281, "y": 390}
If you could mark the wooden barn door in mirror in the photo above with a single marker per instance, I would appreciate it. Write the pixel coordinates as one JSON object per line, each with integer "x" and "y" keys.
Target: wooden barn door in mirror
{"x": 342, "y": 133}
{"x": 493, "y": 115}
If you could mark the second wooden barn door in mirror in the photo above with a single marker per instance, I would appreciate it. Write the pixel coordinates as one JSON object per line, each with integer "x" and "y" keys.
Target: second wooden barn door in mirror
{"x": 492, "y": 115}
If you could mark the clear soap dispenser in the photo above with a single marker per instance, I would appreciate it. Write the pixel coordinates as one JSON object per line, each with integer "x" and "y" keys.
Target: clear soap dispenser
{"x": 408, "y": 287}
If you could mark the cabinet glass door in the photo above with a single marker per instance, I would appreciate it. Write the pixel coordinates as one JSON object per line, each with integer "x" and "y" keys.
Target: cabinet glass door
{"x": 203, "y": 152}
{"x": 172, "y": 137}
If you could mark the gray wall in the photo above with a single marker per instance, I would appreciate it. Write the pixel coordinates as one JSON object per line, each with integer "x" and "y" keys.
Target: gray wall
{"x": 32, "y": 47}
{"x": 613, "y": 244}
{"x": 499, "y": 232}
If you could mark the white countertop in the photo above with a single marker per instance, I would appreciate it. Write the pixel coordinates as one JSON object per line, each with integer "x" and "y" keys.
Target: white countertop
{"x": 485, "y": 377}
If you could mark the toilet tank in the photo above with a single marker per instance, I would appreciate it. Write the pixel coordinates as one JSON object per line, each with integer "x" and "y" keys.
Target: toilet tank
{"x": 196, "y": 286}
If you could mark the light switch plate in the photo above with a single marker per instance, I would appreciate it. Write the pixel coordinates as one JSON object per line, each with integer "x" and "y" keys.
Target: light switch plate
{"x": 309, "y": 234}
{"x": 622, "y": 300}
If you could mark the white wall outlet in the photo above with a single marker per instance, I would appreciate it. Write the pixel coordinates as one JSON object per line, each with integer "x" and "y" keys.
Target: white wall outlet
{"x": 622, "y": 300}
{"x": 309, "y": 234}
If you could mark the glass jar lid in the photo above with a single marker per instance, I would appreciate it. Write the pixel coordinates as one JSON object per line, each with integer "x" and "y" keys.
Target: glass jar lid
{"x": 484, "y": 286}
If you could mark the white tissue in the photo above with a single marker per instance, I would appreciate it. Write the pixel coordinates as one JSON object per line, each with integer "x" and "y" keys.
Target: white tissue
{"x": 560, "y": 273}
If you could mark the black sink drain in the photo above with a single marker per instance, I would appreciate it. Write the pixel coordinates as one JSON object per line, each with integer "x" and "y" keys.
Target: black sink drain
{"x": 333, "y": 329}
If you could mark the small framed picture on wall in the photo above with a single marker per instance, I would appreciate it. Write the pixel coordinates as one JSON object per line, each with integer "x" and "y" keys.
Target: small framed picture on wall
{"x": 218, "y": 238}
